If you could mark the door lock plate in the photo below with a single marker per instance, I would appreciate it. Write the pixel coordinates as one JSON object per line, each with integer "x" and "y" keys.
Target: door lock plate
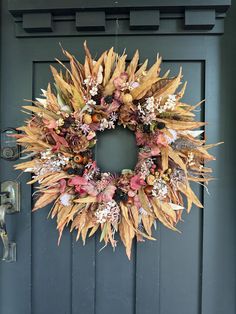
{"x": 12, "y": 190}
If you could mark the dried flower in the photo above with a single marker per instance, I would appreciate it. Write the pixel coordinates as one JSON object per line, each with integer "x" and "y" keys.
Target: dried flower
{"x": 108, "y": 212}
{"x": 66, "y": 199}
{"x": 160, "y": 189}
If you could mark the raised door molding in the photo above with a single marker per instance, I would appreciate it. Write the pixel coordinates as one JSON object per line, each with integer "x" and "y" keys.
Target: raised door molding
{"x": 123, "y": 17}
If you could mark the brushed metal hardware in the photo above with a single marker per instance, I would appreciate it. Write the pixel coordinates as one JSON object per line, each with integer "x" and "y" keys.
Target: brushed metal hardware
{"x": 10, "y": 204}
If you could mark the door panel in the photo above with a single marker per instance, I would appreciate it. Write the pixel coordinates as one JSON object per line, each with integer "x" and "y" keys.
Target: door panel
{"x": 84, "y": 278}
{"x": 163, "y": 276}
{"x": 115, "y": 284}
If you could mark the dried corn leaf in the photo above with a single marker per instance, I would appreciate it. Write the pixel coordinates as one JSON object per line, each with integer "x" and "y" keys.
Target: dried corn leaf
{"x": 133, "y": 66}
{"x": 153, "y": 72}
{"x": 169, "y": 88}
{"x": 187, "y": 191}
{"x": 45, "y": 113}
{"x": 164, "y": 158}
{"x": 127, "y": 234}
{"x": 147, "y": 223}
{"x": 167, "y": 209}
{"x": 45, "y": 199}
{"x": 141, "y": 70}
{"x": 143, "y": 88}
{"x": 144, "y": 201}
{"x": 109, "y": 60}
{"x": 135, "y": 216}
{"x": 182, "y": 125}
{"x": 93, "y": 230}
{"x": 178, "y": 160}
{"x": 88, "y": 199}
{"x": 161, "y": 216}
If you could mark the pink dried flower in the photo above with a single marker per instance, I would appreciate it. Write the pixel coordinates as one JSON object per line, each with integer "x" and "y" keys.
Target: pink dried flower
{"x": 50, "y": 124}
{"x": 77, "y": 180}
{"x": 91, "y": 135}
{"x": 90, "y": 189}
{"x": 107, "y": 194}
{"x": 161, "y": 140}
{"x": 136, "y": 182}
{"x": 120, "y": 80}
{"x": 141, "y": 138}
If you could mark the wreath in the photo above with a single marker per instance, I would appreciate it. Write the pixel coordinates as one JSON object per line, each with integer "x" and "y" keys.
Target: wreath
{"x": 60, "y": 135}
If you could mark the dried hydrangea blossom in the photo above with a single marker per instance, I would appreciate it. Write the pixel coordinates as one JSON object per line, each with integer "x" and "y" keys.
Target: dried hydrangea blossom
{"x": 160, "y": 189}
{"x": 108, "y": 212}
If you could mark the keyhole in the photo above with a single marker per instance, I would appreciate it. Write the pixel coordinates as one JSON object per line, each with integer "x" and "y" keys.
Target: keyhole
{"x": 116, "y": 150}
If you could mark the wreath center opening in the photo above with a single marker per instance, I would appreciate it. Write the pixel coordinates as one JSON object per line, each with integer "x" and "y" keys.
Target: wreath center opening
{"x": 116, "y": 150}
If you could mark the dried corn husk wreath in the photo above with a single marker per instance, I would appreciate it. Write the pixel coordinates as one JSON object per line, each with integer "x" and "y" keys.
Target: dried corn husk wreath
{"x": 61, "y": 134}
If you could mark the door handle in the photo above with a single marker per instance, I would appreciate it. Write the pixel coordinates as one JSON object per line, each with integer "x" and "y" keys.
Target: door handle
{"x": 9, "y": 248}
{"x": 10, "y": 203}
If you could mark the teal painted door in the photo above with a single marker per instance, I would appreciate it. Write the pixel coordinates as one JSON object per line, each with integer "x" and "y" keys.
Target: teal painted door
{"x": 178, "y": 273}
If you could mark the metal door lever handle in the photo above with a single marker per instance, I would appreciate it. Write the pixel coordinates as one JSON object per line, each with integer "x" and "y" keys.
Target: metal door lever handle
{"x": 10, "y": 204}
{"x": 9, "y": 248}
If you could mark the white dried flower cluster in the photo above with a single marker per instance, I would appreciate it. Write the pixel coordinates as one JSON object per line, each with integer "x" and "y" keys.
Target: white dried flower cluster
{"x": 92, "y": 84}
{"x": 160, "y": 189}
{"x": 145, "y": 168}
{"x": 51, "y": 163}
{"x": 91, "y": 171}
{"x": 152, "y": 106}
{"x": 108, "y": 212}
{"x": 60, "y": 122}
{"x": 106, "y": 124}
{"x": 93, "y": 91}
{"x": 170, "y": 103}
{"x": 59, "y": 158}
{"x": 66, "y": 199}
{"x": 47, "y": 154}
{"x": 113, "y": 116}
{"x": 129, "y": 85}
{"x": 91, "y": 102}
{"x": 190, "y": 159}
{"x": 147, "y": 110}
{"x": 85, "y": 128}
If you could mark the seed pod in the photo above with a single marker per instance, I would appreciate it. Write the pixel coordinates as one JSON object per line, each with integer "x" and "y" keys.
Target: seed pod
{"x": 146, "y": 128}
{"x": 161, "y": 125}
{"x": 148, "y": 189}
{"x": 78, "y": 159}
{"x": 127, "y": 98}
{"x": 157, "y": 174}
{"x": 87, "y": 118}
{"x": 96, "y": 117}
{"x": 130, "y": 200}
{"x": 150, "y": 179}
{"x": 165, "y": 178}
{"x": 108, "y": 99}
{"x": 70, "y": 171}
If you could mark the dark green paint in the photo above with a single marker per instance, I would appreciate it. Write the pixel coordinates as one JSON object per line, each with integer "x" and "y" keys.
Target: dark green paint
{"x": 188, "y": 273}
{"x": 116, "y": 150}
